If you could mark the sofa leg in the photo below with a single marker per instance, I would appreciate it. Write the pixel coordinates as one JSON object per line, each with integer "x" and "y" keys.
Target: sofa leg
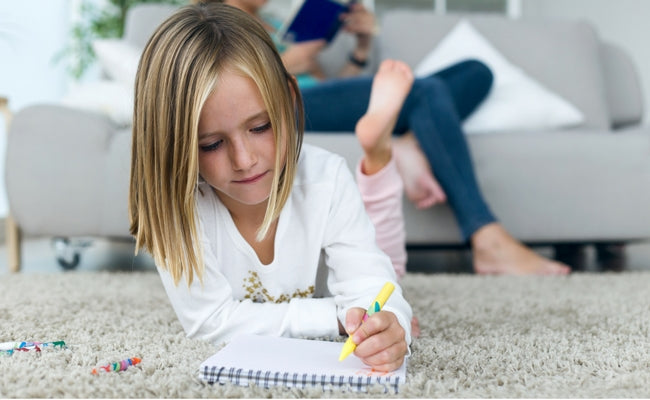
{"x": 571, "y": 254}
{"x": 14, "y": 239}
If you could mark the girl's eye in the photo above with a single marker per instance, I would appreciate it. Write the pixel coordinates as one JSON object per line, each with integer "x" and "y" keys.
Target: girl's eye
{"x": 262, "y": 128}
{"x": 211, "y": 147}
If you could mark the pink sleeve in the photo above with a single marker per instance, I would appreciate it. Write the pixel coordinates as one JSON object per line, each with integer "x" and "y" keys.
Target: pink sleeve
{"x": 382, "y": 196}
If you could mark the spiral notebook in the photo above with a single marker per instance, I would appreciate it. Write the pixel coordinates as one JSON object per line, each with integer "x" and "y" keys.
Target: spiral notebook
{"x": 277, "y": 361}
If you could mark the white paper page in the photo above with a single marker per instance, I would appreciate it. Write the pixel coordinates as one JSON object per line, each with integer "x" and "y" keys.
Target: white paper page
{"x": 300, "y": 356}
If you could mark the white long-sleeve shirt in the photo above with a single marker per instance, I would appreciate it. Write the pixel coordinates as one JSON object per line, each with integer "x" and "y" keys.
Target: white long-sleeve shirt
{"x": 325, "y": 262}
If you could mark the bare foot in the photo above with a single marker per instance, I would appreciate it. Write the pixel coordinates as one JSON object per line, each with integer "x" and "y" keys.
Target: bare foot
{"x": 390, "y": 87}
{"x": 415, "y": 327}
{"x": 496, "y": 252}
{"x": 421, "y": 188}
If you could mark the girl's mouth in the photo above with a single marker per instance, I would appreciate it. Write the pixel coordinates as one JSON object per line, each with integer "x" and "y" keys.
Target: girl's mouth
{"x": 252, "y": 179}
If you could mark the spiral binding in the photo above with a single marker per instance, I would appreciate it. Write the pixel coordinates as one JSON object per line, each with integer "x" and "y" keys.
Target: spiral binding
{"x": 268, "y": 379}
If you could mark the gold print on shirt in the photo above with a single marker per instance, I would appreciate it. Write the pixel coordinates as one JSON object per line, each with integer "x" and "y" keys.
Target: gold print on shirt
{"x": 256, "y": 291}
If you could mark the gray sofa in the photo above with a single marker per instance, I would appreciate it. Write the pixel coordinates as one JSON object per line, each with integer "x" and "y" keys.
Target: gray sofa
{"x": 67, "y": 169}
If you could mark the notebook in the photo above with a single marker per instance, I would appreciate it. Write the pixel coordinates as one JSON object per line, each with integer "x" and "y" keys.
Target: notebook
{"x": 314, "y": 19}
{"x": 278, "y": 361}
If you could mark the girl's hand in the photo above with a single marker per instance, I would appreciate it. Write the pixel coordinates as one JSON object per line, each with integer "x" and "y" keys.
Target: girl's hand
{"x": 380, "y": 340}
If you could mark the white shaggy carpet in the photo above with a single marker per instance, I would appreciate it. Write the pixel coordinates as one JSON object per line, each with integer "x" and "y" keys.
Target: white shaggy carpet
{"x": 586, "y": 335}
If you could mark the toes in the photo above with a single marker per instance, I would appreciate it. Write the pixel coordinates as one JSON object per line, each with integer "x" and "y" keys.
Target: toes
{"x": 440, "y": 194}
{"x": 559, "y": 269}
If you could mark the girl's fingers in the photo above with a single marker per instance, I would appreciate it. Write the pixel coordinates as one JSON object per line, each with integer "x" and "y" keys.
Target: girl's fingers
{"x": 387, "y": 359}
{"x": 377, "y": 323}
{"x": 381, "y": 339}
{"x": 353, "y": 319}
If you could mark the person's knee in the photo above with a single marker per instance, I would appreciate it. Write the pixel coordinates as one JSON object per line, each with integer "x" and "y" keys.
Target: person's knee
{"x": 478, "y": 74}
{"x": 431, "y": 89}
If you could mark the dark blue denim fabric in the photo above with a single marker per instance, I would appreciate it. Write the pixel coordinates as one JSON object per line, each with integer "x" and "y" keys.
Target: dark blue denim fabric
{"x": 433, "y": 111}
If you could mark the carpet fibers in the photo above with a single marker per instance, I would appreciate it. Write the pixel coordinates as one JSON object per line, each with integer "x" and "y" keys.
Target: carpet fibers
{"x": 585, "y": 335}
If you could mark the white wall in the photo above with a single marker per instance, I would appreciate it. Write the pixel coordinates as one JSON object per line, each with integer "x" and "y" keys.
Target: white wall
{"x": 31, "y": 33}
{"x": 622, "y": 22}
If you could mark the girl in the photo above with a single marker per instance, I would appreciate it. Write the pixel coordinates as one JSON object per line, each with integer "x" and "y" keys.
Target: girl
{"x": 268, "y": 235}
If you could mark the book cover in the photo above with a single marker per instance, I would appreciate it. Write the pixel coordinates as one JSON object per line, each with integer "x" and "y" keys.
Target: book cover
{"x": 278, "y": 361}
{"x": 314, "y": 19}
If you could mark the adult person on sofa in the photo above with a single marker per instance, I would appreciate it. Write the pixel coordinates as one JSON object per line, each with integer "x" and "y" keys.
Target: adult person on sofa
{"x": 429, "y": 123}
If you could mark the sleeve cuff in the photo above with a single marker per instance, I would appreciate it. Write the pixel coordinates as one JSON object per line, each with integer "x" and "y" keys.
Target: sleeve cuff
{"x": 313, "y": 317}
{"x": 383, "y": 183}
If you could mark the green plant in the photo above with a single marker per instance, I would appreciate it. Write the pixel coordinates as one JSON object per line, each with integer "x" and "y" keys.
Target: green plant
{"x": 96, "y": 22}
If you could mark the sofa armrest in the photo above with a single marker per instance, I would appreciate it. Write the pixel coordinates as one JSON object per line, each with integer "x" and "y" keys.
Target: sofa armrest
{"x": 55, "y": 167}
{"x": 623, "y": 87}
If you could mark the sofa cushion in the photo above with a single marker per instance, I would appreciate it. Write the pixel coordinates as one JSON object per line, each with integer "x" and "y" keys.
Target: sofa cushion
{"x": 118, "y": 59}
{"x": 555, "y": 186}
{"x": 564, "y": 56}
{"x": 516, "y": 102}
{"x": 110, "y": 98}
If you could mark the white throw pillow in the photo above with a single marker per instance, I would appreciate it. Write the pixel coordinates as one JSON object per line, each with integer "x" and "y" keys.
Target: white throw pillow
{"x": 516, "y": 102}
{"x": 118, "y": 59}
{"x": 110, "y": 98}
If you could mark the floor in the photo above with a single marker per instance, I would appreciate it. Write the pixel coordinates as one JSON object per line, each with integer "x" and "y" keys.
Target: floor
{"x": 39, "y": 255}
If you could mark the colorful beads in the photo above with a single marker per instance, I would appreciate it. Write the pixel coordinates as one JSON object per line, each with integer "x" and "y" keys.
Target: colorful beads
{"x": 117, "y": 366}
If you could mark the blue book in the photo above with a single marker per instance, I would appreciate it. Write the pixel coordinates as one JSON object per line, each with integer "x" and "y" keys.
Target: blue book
{"x": 314, "y": 19}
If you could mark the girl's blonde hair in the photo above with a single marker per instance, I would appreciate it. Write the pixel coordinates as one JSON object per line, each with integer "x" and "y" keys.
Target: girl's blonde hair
{"x": 178, "y": 71}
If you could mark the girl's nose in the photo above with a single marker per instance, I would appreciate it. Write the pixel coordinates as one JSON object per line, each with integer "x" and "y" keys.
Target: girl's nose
{"x": 242, "y": 156}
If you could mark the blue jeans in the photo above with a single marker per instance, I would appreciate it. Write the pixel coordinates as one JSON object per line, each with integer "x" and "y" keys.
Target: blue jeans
{"x": 433, "y": 111}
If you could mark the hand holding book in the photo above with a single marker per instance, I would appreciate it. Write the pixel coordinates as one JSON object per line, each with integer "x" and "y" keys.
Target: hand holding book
{"x": 360, "y": 21}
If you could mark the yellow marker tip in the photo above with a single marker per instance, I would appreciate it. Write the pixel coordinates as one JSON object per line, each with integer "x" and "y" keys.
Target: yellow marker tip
{"x": 348, "y": 348}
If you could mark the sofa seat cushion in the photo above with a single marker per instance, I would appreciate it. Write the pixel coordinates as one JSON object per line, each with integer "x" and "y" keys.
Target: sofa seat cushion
{"x": 547, "y": 187}
{"x": 564, "y": 56}
{"x": 567, "y": 184}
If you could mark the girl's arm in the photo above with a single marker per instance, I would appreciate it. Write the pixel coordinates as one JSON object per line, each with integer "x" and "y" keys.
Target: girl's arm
{"x": 210, "y": 312}
{"x": 358, "y": 268}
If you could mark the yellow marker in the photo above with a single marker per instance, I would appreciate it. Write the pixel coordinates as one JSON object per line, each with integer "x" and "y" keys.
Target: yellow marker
{"x": 376, "y": 305}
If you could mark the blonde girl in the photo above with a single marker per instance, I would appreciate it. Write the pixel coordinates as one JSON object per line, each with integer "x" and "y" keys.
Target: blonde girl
{"x": 251, "y": 230}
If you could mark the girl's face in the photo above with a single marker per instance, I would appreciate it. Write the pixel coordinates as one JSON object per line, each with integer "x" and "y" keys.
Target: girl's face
{"x": 236, "y": 142}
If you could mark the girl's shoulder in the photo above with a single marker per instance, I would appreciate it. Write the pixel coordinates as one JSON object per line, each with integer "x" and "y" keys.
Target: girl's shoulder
{"x": 318, "y": 164}
{"x": 319, "y": 176}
